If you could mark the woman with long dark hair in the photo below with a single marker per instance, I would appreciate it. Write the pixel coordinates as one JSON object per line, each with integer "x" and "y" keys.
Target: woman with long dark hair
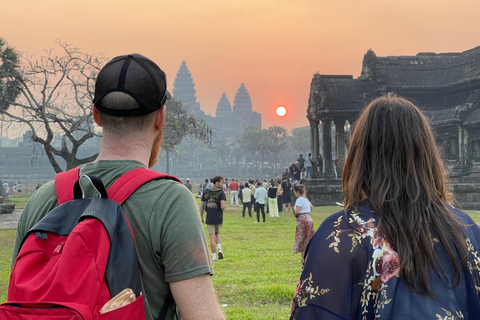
{"x": 399, "y": 249}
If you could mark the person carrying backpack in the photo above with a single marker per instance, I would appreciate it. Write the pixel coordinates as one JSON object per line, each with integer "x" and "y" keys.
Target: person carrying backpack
{"x": 213, "y": 202}
{"x": 130, "y": 93}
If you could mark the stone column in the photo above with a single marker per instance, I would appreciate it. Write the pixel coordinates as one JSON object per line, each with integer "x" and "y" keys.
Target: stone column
{"x": 327, "y": 148}
{"x": 314, "y": 142}
{"x": 340, "y": 132}
{"x": 463, "y": 148}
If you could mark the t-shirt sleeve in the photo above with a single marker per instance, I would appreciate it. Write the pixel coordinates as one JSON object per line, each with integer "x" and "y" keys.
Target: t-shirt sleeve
{"x": 183, "y": 247}
{"x": 40, "y": 203}
{"x": 299, "y": 202}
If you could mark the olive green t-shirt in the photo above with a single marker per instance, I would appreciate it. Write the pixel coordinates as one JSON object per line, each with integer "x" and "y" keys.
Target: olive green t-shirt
{"x": 164, "y": 218}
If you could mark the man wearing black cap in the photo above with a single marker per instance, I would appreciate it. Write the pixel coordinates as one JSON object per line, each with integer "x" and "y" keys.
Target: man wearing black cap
{"x": 130, "y": 93}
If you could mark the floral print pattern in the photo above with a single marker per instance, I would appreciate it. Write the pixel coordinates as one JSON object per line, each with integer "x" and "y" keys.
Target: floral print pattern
{"x": 349, "y": 260}
{"x": 304, "y": 232}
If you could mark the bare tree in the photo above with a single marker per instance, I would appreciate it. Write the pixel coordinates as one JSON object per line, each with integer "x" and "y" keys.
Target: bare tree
{"x": 55, "y": 98}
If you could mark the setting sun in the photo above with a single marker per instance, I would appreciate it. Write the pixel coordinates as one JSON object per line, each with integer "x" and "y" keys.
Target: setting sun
{"x": 281, "y": 111}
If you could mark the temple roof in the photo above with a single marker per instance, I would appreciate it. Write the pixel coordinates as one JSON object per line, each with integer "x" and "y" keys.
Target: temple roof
{"x": 445, "y": 84}
{"x": 473, "y": 118}
{"x": 424, "y": 69}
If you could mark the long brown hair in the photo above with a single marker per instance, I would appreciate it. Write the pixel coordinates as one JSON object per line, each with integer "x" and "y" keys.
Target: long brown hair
{"x": 394, "y": 165}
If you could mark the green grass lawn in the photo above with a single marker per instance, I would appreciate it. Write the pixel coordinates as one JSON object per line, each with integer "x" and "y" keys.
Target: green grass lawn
{"x": 19, "y": 201}
{"x": 258, "y": 276}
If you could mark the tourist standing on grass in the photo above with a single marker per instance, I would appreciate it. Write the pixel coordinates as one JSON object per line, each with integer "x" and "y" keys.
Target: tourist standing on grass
{"x": 213, "y": 200}
{"x": 188, "y": 184}
{"x": 286, "y": 198}
{"x": 204, "y": 186}
{"x": 251, "y": 183}
{"x": 279, "y": 196}
{"x": 240, "y": 188}
{"x": 398, "y": 250}
{"x": 272, "y": 199}
{"x": 5, "y": 185}
{"x": 234, "y": 187}
{"x": 305, "y": 230}
{"x": 260, "y": 198}
{"x": 247, "y": 200}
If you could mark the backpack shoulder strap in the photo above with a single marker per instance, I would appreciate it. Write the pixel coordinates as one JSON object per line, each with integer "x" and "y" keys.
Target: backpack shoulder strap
{"x": 64, "y": 182}
{"x": 124, "y": 186}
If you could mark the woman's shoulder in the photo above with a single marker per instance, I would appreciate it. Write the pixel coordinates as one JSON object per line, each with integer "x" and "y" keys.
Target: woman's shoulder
{"x": 358, "y": 218}
{"x": 472, "y": 227}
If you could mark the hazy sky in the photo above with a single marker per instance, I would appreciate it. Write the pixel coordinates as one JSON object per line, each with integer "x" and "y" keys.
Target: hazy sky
{"x": 273, "y": 47}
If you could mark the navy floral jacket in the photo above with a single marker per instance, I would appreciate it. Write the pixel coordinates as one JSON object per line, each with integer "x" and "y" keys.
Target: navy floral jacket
{"x": 353, "y": 274}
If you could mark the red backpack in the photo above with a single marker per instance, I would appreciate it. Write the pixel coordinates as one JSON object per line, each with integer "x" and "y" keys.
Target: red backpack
{"x": 80, "y": 255}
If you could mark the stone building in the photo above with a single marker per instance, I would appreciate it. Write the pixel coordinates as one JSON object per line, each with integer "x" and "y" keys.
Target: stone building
{"x": 228, "y": 123}
{"x": 184, "y": 90}
{"x": 242, "y": 110}
{"x": 445, "y": 86}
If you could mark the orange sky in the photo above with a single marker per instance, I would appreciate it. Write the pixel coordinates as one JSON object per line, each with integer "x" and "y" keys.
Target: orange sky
{"x": 274, "y": 47}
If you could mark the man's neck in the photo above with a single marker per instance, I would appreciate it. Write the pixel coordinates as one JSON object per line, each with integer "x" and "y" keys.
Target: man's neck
{"x": 122, "y": 150}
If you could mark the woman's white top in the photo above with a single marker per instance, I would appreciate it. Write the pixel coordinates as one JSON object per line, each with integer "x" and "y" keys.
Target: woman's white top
{"x": 304, "y": 204}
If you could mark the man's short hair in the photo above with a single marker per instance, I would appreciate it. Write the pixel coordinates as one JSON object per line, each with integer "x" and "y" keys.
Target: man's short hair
{"x": 123, "y": 125}
{"x": 216, "y": 179}
{"x": 259, "y": 183}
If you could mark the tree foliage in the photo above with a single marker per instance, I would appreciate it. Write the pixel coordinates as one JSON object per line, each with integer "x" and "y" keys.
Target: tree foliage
{"x": 180, "y": 123}
{"x": 252, "y": 139}
{"x": 300, "y": 143}
{"x": 275, "y": 140}
{"x": 54, "y": 98}
{"x": 9, "y": 75}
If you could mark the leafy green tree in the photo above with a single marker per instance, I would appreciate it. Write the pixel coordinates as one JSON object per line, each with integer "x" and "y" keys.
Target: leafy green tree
{"x": 300, "y": 143}
{"x": 252, "y": 139}
{"x": 275, "y": 141}
{"x": 9, "y": 73}
{"x": 180, "y": 123}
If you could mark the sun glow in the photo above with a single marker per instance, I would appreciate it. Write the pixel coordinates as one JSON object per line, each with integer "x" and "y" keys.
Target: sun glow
{"x": 281, "y": 111}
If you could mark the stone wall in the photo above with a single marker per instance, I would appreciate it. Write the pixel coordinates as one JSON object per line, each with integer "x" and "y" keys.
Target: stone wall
{"x": 322, "y": 192}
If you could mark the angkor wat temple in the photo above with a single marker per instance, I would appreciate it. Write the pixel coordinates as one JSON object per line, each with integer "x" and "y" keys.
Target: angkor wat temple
{"x": 229, "y": 121}
{"x": 445, "y": 86}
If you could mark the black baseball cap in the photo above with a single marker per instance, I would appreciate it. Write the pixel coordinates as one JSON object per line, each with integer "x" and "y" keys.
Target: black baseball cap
{"x": 137, "y": 76}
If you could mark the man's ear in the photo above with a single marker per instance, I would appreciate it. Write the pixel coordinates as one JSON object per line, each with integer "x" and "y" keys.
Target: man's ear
{"x": 160, "y": 118}
{"x": 96, "y": 118}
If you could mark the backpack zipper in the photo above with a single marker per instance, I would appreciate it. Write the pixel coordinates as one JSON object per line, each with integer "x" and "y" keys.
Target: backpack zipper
{"x": 59, "y": 248}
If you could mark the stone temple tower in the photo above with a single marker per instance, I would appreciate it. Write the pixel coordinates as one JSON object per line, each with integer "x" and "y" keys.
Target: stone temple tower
{"x": 223, "y": 116}
{"x": 184, "y": 90}
{"x": 224, "y": 109}
{"x": 242, "y": 110}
